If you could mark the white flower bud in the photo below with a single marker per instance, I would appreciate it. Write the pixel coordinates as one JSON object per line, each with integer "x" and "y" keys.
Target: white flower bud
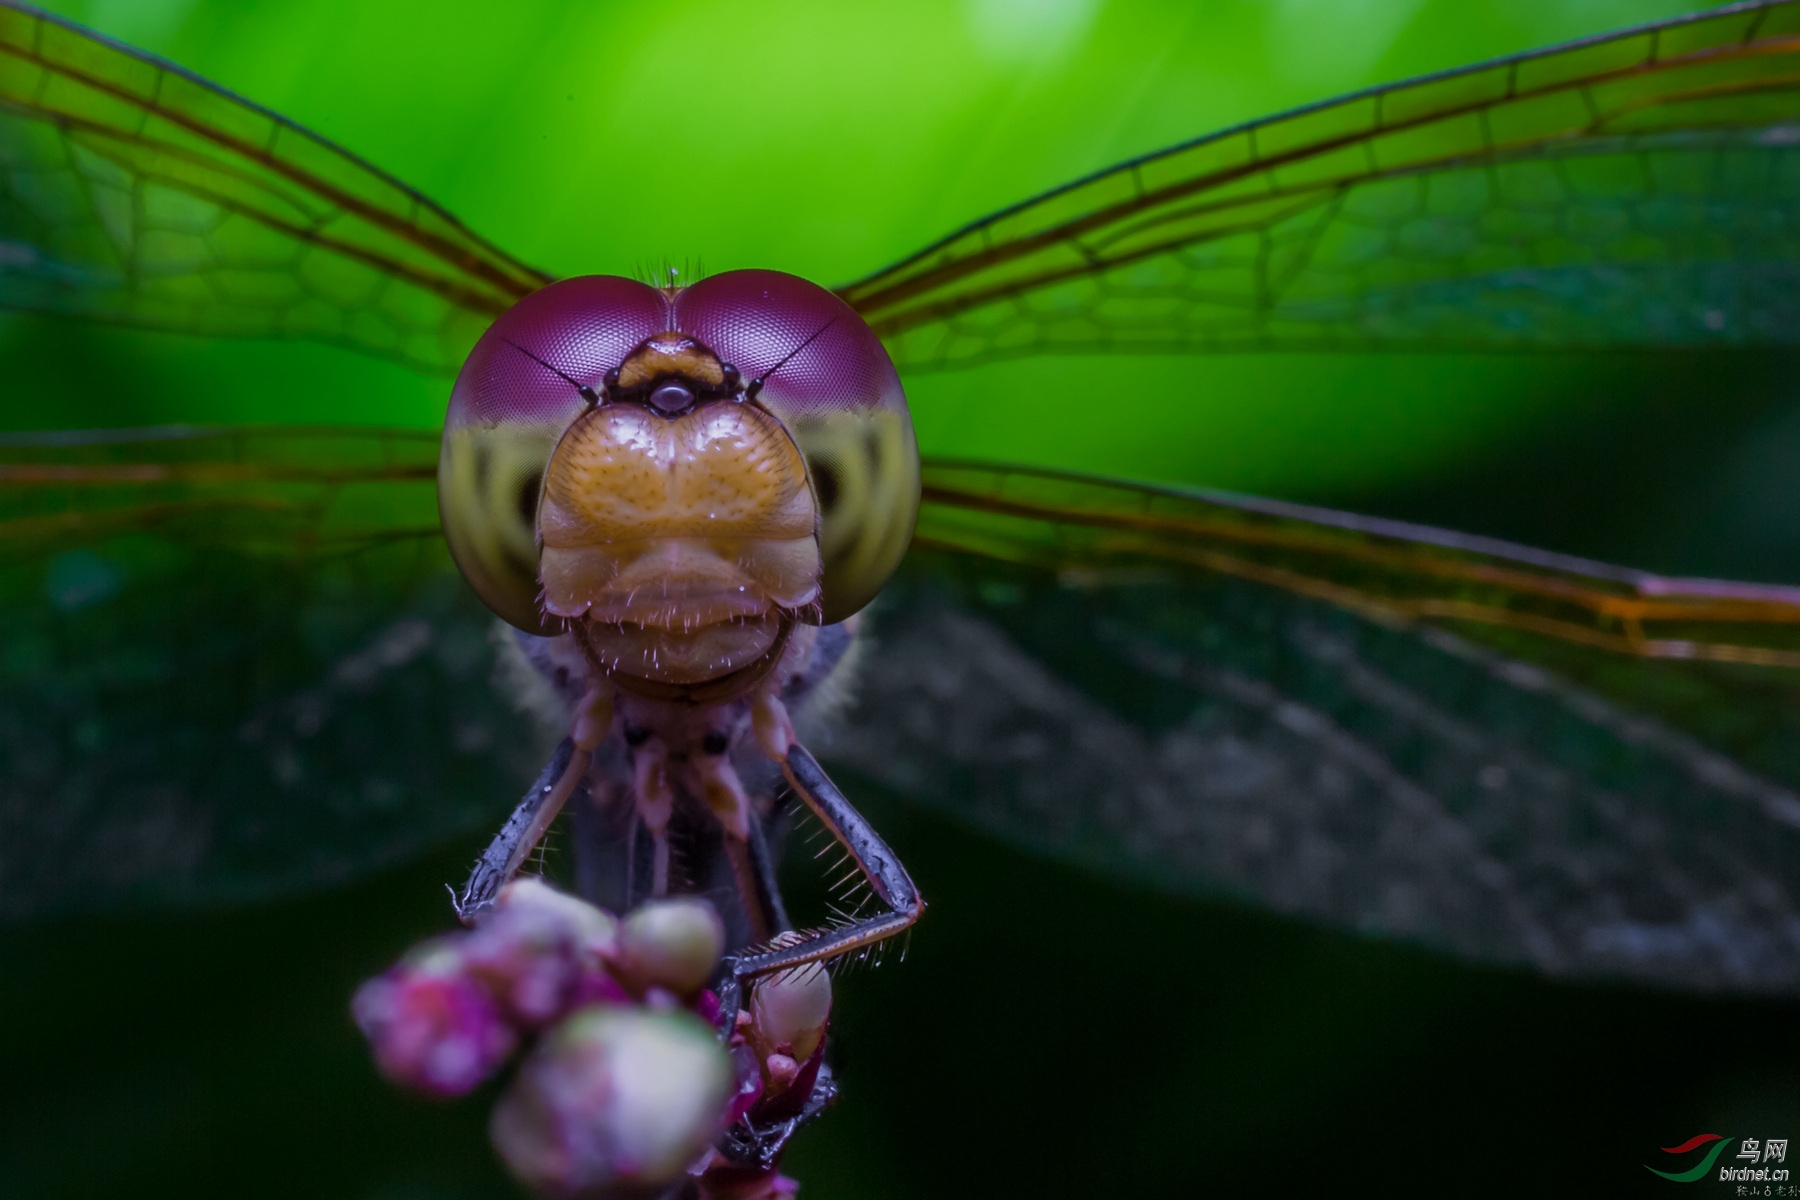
{"x": 673, "y": 943}
{"x": 789, "y": 1009}
{"x": 614, "y": 1098}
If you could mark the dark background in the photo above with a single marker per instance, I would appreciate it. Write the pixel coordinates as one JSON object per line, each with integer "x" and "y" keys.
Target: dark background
{"x": 1048, "y": 1034}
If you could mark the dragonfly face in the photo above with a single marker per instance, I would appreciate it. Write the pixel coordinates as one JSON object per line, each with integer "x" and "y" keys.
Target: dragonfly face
{"x": 746, "y": 457}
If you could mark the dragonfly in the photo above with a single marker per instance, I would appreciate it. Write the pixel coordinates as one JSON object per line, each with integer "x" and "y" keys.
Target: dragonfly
{"x": 242, "y": 662}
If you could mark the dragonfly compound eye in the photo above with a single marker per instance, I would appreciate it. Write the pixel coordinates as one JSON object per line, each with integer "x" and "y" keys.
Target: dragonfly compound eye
{"x": 518, "y": 391}
{"x": 840, "y": 398}
{"x": 742, "y": 416}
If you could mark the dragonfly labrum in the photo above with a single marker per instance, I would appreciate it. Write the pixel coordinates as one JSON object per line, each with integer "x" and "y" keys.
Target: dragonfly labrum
{"x": 243, "y": 661}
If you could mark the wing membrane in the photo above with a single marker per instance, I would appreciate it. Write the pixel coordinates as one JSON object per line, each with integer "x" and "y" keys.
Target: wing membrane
{"x": 1635, "y": 189}
{"x": 1513, "y": 756}
{"x": 133, "y": 191}
{"x": 1388, "y": 571}
{"x": 238, "y": 663}
{"x": 241, "y": 664}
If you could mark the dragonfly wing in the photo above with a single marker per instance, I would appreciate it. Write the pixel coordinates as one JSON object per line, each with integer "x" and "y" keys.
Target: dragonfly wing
{"x": 1513, "y": 756}
{"x": 1635, "y": 189}
{"x": 237, "y": 664}
{"x": 136, "y": 192}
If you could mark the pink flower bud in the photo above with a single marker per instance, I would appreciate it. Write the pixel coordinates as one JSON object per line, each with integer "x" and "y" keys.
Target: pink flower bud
{"x": 535, "y": 948}
{"x": 431, "y": 1027}
{"x": 782, "y": 1071}
{"x": 749, "y": 1078}
{"x": 673, "y": 943}
{"x": 614, "y": 1098}
{"x": 593, "y": 932}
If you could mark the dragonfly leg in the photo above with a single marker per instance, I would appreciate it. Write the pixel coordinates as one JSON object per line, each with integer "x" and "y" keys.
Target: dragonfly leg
{"x": 562, "y": 776}
{"x": 724, "y": 794}
{"x": 654, "y": 794}
{"x": 759, "y": 1147}
{"x": 764, "y": 887}
{"x": 887, "y": 878}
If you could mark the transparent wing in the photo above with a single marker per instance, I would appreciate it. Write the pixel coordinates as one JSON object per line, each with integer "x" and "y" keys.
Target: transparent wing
{"x": 1635, "y": 189}
{"x": 1512, "y": 756}
{"x": 237, "y": 663}
{"x": 133, "y": 191}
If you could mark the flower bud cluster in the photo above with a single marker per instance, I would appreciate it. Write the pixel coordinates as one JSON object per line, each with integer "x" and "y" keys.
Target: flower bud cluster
{"x": 622, "y": 1080}
{"x": 451, "y": 1012}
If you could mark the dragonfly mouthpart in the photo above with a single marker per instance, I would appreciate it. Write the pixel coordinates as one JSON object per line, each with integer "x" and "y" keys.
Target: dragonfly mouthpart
{"x": 683, "y": 546}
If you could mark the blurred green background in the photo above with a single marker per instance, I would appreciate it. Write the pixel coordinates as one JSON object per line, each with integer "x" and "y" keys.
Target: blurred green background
{"x": 1050, "y": 1034}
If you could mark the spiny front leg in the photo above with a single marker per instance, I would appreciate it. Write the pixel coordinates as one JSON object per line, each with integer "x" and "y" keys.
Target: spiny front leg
{"x": 562, "y": 776}
{"x": 887, "y": 878}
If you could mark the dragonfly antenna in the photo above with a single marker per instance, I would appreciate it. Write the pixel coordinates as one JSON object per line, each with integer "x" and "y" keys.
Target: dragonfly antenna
{"x": 587, "y": 393}
{"x": 757, "y": 383}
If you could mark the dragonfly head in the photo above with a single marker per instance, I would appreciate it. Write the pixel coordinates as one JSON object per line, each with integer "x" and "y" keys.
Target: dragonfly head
{"x": 678, "y": 475}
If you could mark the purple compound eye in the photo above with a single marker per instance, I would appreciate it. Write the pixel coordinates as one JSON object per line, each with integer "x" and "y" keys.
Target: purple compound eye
{"x": 798, "y": 350}
{"x": 840, "y": 398}
{"x": 582, "y": 327}
{"x": 518, "y": 391}
{"x": 756, "y": 319}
